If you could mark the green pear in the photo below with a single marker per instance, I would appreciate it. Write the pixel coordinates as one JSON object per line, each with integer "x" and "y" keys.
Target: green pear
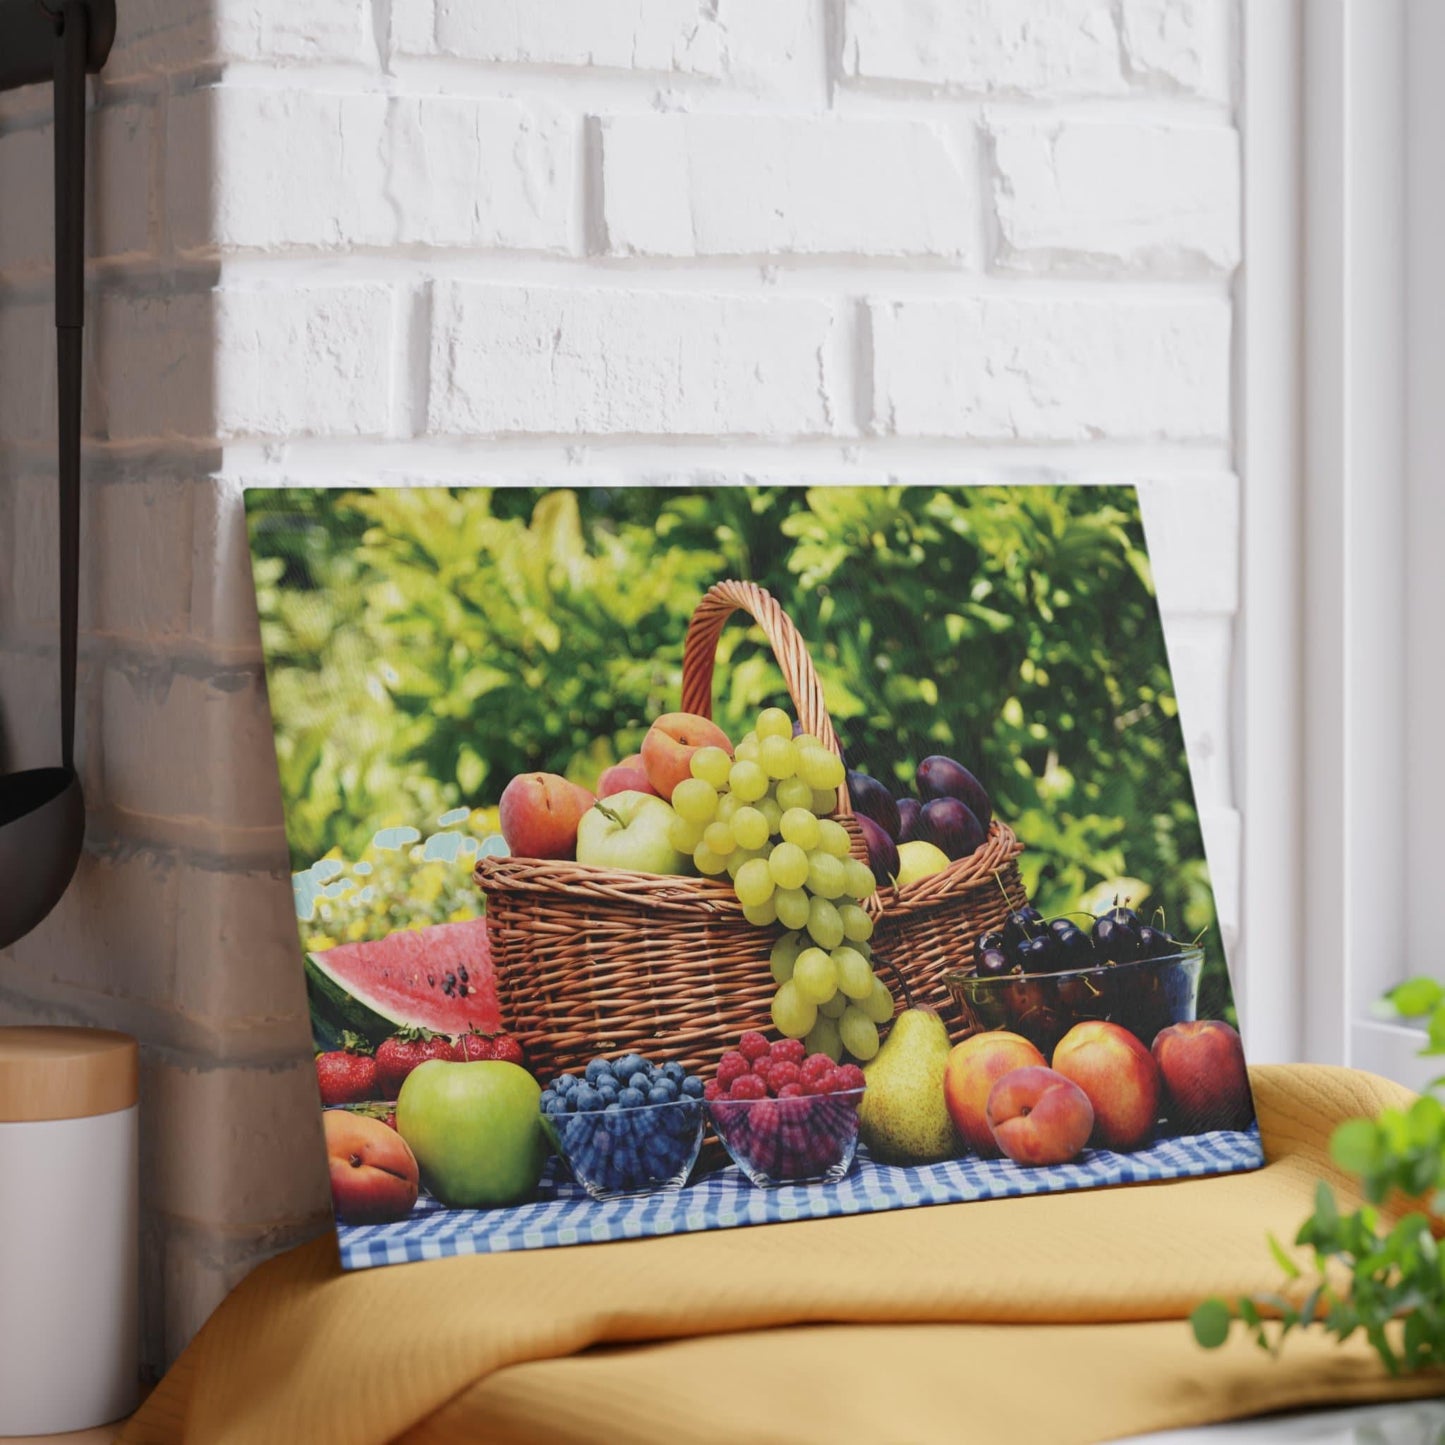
{"x": 903, "y": 1118}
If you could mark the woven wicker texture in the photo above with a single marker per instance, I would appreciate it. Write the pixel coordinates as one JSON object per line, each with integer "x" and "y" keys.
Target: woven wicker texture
{"x": 599, "y": 961}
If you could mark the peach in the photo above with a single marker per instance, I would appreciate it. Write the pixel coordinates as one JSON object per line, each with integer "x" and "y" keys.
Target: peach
{"x": 374, "y": 1178}
{"x": 627, "y": 776}
{"x": 1205, "y": 1079}
{"x": 539, "y": 814}
{"x": 1039, "y": 1117}
{"x": 1120, "y": 1077}
{"x": 669, "y": 745}
{"x": 973, "y": 1068}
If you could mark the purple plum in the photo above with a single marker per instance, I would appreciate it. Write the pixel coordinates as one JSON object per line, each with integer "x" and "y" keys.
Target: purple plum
{"x": 908, "y": 811}
{"x": 882, "y": 850}
{"x": 873, "y": 800}
{"x": 940, "y": 777}
{"x": 951, "y": 825}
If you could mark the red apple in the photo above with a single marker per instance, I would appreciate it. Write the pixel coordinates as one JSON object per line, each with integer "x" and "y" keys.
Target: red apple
{"x": 539, "y": 815}
{"x": 1117, "y": 1073}
{"x": 1205, "y": 1079}
{"x": 973, "y": 1068}
{"x": 1039, "y": 1117}
{"x": 627, "y": 776}
{"x": 374, "y": 1177}
{"x": 669, "y": 745}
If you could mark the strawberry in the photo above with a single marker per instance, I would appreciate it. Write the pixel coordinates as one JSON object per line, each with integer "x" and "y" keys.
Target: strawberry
{"x": 348, "y": 1074}
{"x": 473, "y": 1046}
{"x": 404, "y": 1051}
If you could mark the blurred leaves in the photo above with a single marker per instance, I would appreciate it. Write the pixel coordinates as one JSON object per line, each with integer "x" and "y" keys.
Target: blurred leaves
{"x": 425, "y": 645}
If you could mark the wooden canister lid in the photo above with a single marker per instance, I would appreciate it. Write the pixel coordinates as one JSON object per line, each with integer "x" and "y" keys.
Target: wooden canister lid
{"x": 50, "y": 1073}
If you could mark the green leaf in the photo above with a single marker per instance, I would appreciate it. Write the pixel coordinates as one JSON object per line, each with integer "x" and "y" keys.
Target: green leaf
{"x": 1417, "y": 996}
{"x": 1282, "y": 1259}
{"x": 1211, "y": 1321}
{"x": 1353, "y": 1145}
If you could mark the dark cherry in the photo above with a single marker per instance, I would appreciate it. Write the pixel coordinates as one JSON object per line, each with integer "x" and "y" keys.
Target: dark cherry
{"x": 1083, "y": 997}
{"x": 995, "y": 963}
{"x": 1022, "y": 923}
{"x": 1061, "y": 925}
{"x": 1075, "y": 948}
{"x": 1038, "y": 954}
{"x": 1122, "y": 914}
{"x": 990, "y": 940}
{"x": 1115, "y": 940}
{"x": 1156, "y": 943}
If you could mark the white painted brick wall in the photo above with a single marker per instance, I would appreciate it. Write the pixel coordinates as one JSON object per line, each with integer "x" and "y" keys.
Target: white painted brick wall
{"x": 646, "y": 241}
{"x": 725, "y": 185}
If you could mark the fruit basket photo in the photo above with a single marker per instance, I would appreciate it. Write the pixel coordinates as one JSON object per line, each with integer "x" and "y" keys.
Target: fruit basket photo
{"x": 595, "y": 960}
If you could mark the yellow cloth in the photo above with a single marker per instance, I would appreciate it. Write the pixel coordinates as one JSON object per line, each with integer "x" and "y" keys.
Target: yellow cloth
{"x": 1057, "y": 1319}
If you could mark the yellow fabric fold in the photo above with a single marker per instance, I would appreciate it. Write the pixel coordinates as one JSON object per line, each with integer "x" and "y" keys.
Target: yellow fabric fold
{"x": 1053, "y": 1319}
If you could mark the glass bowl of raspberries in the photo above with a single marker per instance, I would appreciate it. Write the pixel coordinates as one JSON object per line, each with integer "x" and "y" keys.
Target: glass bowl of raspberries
{"x": 626, "y": 1126}
{"x": 785, "y": 1116}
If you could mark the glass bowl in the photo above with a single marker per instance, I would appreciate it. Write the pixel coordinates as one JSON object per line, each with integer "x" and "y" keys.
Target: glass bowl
{"x": 616, "y": 1152}
{"x": 803, "y": 1140}
{"x": 1144, "y": 997}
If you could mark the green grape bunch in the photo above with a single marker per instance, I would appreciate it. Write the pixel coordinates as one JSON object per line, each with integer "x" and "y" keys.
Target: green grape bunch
{"x": 763, "y": 817}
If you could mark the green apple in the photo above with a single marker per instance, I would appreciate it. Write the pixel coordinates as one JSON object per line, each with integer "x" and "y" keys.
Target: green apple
{"x": 632, "y": 831}
{"x": 476, "y": 1131}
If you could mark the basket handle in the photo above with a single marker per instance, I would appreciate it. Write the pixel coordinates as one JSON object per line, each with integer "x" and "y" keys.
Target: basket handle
{"x": 699, "y": 654}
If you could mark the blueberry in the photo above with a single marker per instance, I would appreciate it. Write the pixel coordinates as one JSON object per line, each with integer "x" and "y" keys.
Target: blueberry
{"x": 586, "y": 1098}
{"x": 675, "y": 1072}
{"x": 611, "y": 1107}
{"x": 659, "y": 1094}
{"x": 631, "y": 1098}
{"x": 692, "y": 1087}
{"x": 629, "y": 1064}
{"x": 597, "y": 1069}
{"x": 639, "y": 1079}
{"x": 565, "y": 1084}
{"x": 607, "y": 1087}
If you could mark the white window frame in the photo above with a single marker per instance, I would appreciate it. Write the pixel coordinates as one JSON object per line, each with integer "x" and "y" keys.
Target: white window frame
{"x": 1340, "y": 302}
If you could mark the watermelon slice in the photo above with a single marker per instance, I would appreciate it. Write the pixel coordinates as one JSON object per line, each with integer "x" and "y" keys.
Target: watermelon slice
{"x": 439, "y": 978}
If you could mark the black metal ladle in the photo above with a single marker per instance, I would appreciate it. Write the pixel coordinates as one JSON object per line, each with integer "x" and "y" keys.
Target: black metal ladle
{"x": 42, "y": 811}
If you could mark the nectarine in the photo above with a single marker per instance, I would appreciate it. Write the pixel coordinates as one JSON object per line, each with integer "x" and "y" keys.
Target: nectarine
{"x": 1117, "y": 1073}
{"x": 539, "y": 813}
{"x": 374, "y": 1176}
{"x": 627, "y": 776}
{"x": 973, "y": 1067}
{"x": 1205, "y": 1079}
{"x": 1039, "y": 1117}
{"x": 669, "y": 745}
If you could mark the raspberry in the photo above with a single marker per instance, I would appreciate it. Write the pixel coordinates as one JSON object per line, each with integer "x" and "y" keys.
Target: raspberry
{"x": 850, "y": 1076}
{"x": 789, "y": 1051}
{"x": 790, "y": 1091}
{"x": 749, "y": 1086}
{"x": 731, "y": 1066}
{"x": 711, "y": 1089}
{"x": 781, "y": 1073}
{"x": 821, "y": 1083}
{"x": 763, "y": 1068}
{"x": 753, "y": 1046}
{"x": 816, "y": 1066}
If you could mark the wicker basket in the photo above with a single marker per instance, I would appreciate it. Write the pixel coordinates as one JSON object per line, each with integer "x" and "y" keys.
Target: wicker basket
{"x": 600, "y": 961}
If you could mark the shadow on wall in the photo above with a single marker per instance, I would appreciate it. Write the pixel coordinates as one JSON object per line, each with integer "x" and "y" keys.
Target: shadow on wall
{"x": 185, "y": 863}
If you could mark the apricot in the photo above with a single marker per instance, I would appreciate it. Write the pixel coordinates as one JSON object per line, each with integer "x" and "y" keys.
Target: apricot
{"x": 1039, "y": 1117}
{"x": 1120, "y": 1077}
{"x": 374, "y": 1175}
{"x": 539, "y": 813}
{"x": 669, "y": 745}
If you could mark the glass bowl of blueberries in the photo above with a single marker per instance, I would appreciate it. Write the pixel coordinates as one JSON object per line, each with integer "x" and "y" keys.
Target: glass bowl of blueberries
{"x": 1040, "y": 976}
{"x": 626, "y": 1126}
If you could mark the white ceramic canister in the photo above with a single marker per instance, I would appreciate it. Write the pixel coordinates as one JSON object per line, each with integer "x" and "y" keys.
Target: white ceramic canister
{"x": 69, "y": 1217}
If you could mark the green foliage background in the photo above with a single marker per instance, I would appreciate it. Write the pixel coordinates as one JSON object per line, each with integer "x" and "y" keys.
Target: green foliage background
{"x": 423, "y": 646}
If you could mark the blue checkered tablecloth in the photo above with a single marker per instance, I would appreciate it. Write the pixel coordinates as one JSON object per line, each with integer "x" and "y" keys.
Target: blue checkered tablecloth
{"x": 565, "y": 1214}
